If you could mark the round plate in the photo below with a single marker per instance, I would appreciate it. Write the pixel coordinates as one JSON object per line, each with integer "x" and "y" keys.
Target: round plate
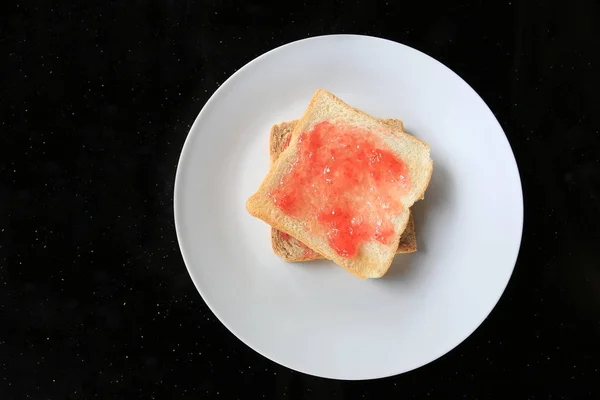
{"x": 315, "y": 317}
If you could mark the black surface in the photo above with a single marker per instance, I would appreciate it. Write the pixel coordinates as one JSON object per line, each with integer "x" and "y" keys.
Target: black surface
{"x": 96, "y": 100}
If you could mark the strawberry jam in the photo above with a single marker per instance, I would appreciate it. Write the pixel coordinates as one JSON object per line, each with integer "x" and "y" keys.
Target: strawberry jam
{"x": 287, "y": 142}
{"x": 284, "y": 236}
{"x": 345, "y": 185}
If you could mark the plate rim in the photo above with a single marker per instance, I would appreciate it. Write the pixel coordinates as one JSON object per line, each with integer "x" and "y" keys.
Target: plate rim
{"x": 184, "y": 155}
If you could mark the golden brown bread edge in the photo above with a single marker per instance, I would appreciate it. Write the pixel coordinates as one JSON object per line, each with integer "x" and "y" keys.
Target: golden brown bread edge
{"x": 291, "y": 249}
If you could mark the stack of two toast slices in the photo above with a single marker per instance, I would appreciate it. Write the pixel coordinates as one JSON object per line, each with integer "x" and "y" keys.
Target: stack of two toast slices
{"x": 298, "y": 236}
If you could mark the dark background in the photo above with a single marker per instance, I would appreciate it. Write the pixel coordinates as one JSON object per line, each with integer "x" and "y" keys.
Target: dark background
{"x": 96, "y": 100}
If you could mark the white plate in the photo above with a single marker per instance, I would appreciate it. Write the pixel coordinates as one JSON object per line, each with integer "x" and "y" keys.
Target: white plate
{"x": 316, "y": 318}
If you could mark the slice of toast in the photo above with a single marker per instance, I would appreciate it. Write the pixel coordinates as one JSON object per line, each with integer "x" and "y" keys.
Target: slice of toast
{"x": 289, "y": 248}
{"x": 374, "y": 257}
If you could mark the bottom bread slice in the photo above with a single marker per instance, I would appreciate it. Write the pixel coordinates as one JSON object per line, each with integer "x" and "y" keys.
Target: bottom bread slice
{"x": 289, "y": 248}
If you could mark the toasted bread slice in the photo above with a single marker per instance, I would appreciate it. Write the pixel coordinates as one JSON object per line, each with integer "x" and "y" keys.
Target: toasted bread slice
{"x": 374, "y": 258}
{"x": 289, "y": 248}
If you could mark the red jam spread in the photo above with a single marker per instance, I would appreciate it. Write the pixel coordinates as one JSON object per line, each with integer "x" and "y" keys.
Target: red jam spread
{"x": 284, "y": 236}
{"x": 308, "y": 253}
{"x": 345, "y": 185}
{"x": 287, "y": 142}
